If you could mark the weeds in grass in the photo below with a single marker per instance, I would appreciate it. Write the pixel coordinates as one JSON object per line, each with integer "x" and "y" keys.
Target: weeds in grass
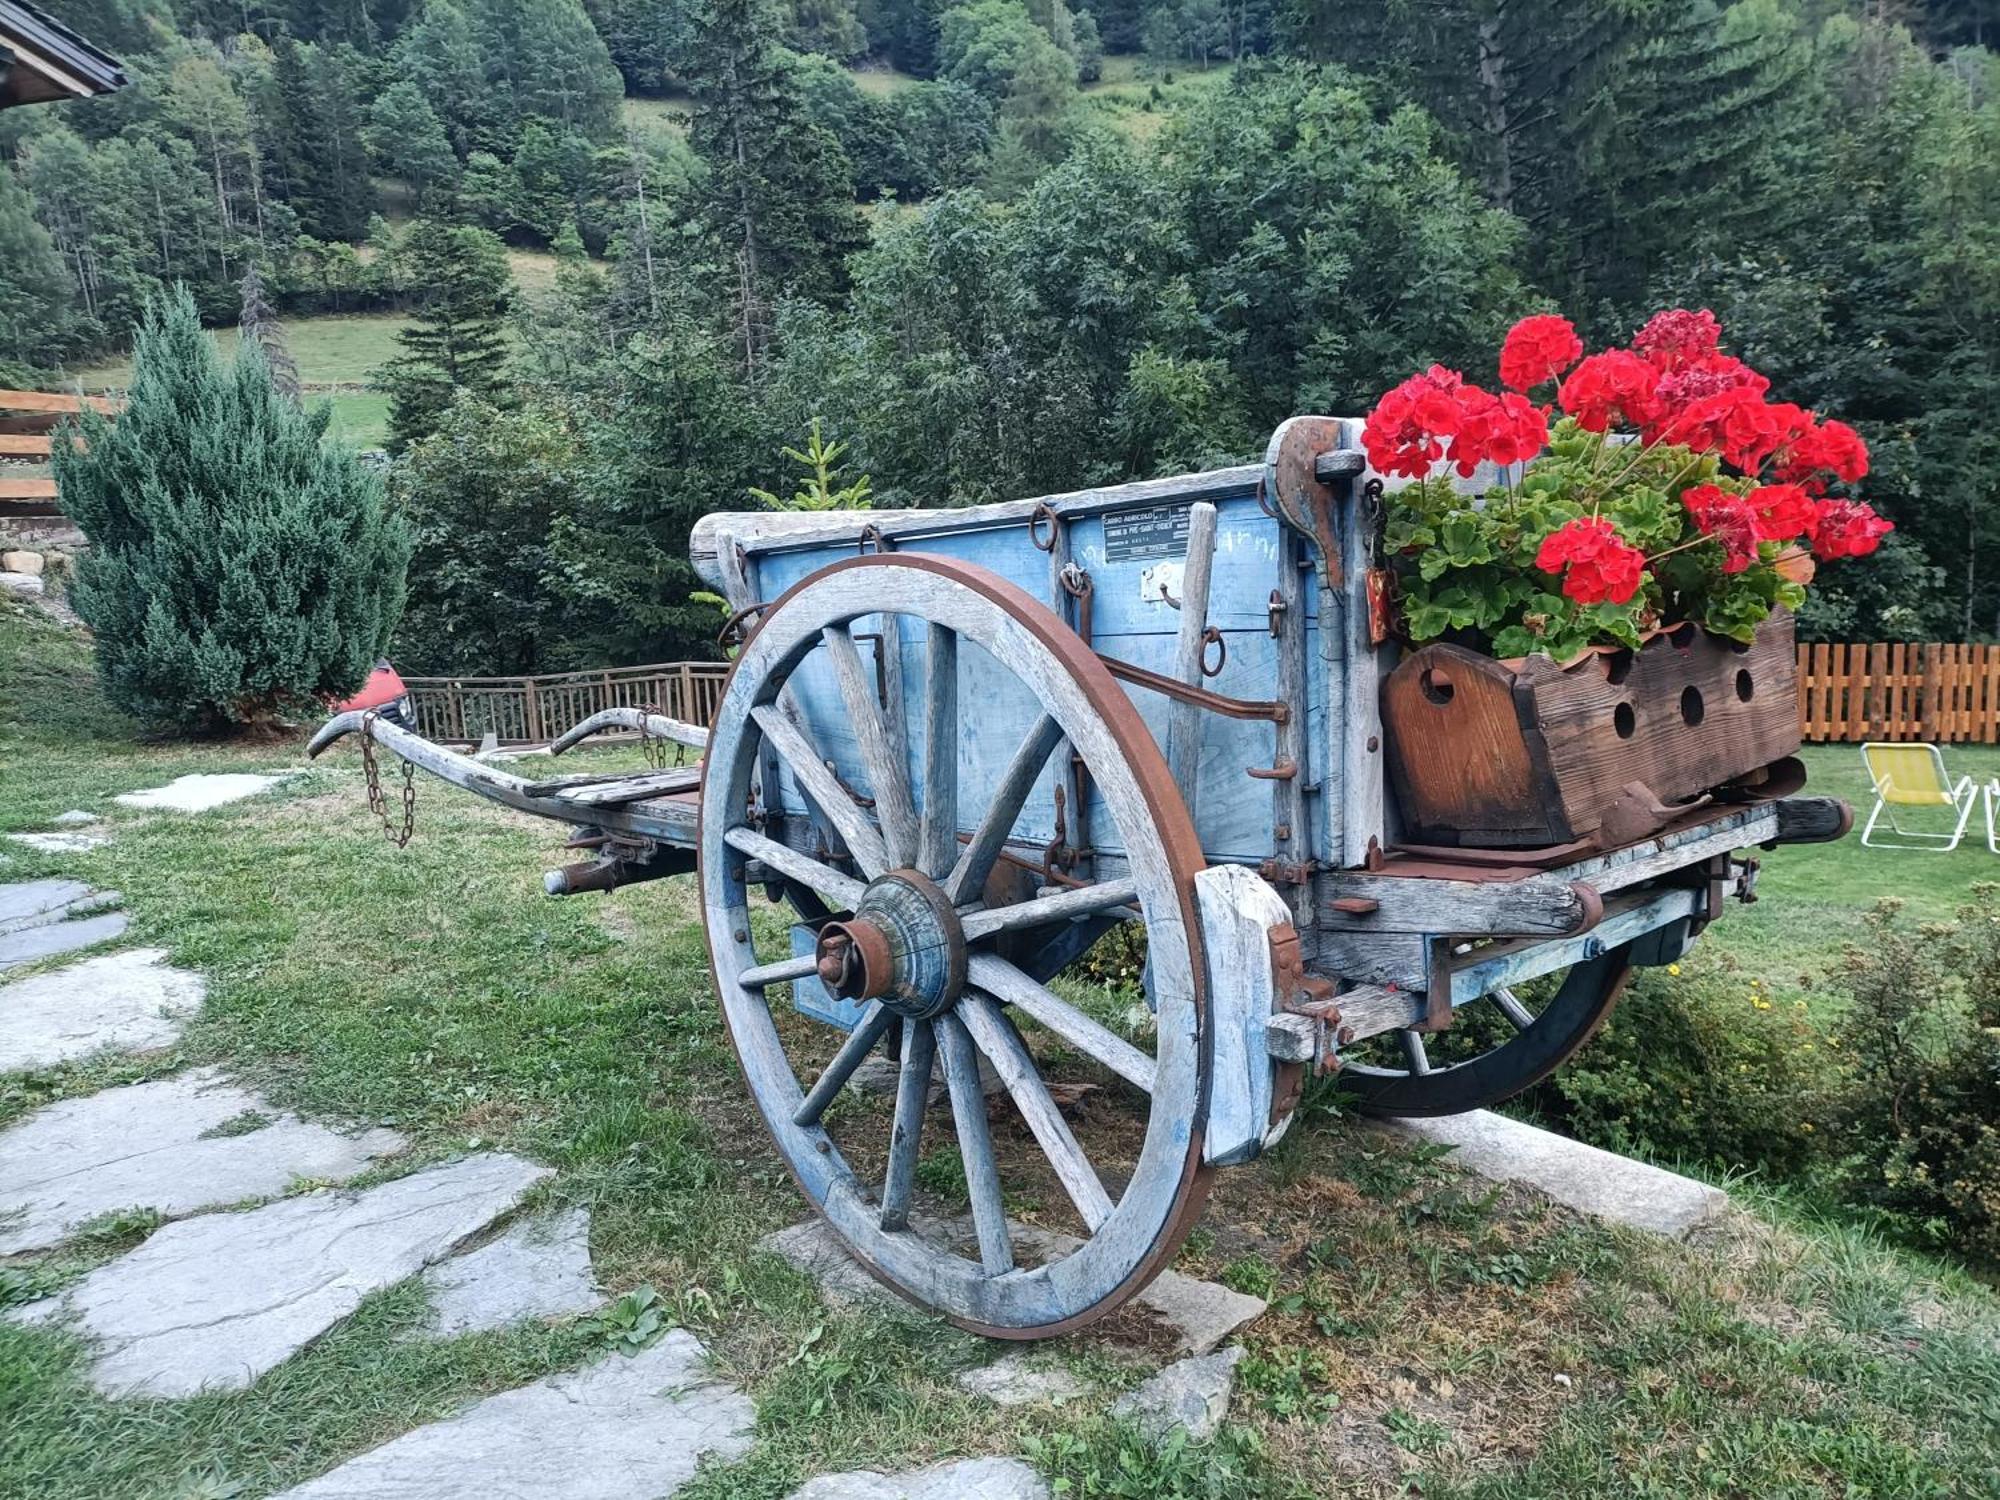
{"x": 636, "y": 1321}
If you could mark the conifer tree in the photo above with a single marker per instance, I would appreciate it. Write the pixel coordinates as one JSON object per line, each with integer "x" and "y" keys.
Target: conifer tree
{"x": 458, "y": 341}
{"x": 259, "y": 325}
{"x": 239, "y": 567}
{"x": 778, "y": 197}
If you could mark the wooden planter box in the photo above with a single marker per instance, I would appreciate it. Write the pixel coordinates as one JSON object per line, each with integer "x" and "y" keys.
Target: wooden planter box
{"x": 1492, "y": 754}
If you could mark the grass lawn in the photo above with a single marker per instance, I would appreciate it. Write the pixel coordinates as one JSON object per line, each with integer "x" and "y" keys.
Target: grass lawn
{"x": 1810, "y": 895}
{"x": 1142, "y": 103}
{"x": 1428, "y": 1335}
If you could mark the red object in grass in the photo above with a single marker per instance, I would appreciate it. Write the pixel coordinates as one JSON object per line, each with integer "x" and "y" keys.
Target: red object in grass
{"x": 382, "y": 688}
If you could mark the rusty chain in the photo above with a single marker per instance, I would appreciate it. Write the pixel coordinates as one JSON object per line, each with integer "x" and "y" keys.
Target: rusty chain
{"x": 378, "y": 804}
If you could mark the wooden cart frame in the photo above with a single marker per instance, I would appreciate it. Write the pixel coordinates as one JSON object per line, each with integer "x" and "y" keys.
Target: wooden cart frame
{"x": 959, "y": 747}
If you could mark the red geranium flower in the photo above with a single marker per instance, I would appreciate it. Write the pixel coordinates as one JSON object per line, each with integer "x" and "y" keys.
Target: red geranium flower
{"x": 1728, "y": 518}
{"x": 1616, "y": 385}
{"x": 1404, "y": 434}
{"x": 1538, "y": 349}
{"x": 1596, "y": 562}
{"x": 1825, "y": 448}
{"x": 1784, "y": 512}
{"x": 1740, "y": 424}
{"x": 1508, "y": 429}
{"x": 1683, "y": 386}
{"x": 1675, "y": 336}
{"x": 1847, "y": 528}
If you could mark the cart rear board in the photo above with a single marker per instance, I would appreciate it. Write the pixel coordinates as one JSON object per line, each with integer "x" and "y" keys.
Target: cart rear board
{"x": 960, "y": 747}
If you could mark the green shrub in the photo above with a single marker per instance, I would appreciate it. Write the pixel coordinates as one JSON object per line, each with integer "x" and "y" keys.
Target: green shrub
{"x": 239, "y": 567}
{"x": 1924, "y": 1111}
{"x": 1703, "y": 1065}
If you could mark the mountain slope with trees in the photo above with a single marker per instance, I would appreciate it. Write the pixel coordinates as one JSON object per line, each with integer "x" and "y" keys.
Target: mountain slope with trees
{"x": 989, "y": 280}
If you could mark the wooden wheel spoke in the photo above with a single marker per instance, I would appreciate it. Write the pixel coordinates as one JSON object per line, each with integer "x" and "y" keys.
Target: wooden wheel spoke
{"x": 913, "y": 1090}
{"x": 1512, "y": 1008}
{"x": 866, "y": 1033}
{"x": 1002, "y": 1044}
{"x": 803, "y": 868}
{"x": 939, "y": 833}
{"x": 779, "y": 973}
{"x": 888, "y": 776}
{"x": 1414, "y": 1053}
{"x": 1008, "y": 984}
{"x": 1084, "y": 901}
{"x": 968, "y": 876}
{"x": 849, "y": 818}
{"x": 975, "y": 1146}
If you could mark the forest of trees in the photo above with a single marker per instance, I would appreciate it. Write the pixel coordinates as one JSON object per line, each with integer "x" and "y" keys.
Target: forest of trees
{"x": 987, "y": 287}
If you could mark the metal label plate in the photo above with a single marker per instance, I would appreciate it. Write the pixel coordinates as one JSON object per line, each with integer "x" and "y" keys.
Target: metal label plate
{"x": 1159, "y": 531}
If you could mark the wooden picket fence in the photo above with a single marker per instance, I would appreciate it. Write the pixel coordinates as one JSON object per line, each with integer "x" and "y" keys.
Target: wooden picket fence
{"x": 534, "y": 710}
{"x": 1898, "y": 690}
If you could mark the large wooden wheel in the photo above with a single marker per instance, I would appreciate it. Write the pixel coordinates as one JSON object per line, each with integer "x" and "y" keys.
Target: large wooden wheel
{"x": 904, "y": 845}
{"x": 1505, "y": 1041}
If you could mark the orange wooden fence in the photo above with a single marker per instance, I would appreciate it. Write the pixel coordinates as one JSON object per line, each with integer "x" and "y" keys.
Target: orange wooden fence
{"x": 1899, "y": 691}
{"x": 534, "y": 710}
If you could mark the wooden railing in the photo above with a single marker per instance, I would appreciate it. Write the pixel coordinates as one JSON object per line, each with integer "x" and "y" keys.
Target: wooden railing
{"x": 534, "y": 710}
{"x": 1900, "y": 691}
{"x": 27, "y": 420}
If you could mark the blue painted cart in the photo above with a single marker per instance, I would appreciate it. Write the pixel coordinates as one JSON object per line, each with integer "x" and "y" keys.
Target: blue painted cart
{"x": 960, "y": 749}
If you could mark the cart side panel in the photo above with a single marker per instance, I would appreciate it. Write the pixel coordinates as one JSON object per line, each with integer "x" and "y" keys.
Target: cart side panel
{"x": 1129, "y": 554}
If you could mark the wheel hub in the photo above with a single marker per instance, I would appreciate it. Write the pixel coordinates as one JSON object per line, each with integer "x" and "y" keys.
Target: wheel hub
{"x": 903, "y": 946}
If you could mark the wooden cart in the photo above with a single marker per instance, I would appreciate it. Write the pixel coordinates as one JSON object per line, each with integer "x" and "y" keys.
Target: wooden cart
{"x": 959, "y": 747}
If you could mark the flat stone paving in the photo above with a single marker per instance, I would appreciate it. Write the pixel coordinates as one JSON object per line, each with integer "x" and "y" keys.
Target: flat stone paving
{"x": 41, "y": 918}
{"x": 539, "y": 1267}
{"x": 213, "y": 1302}
{"x": 202, "y": 790}
{"x": 1587, "y": 1179}
{"x": 623, "y": 1429}
{"x": 128, "y": 1001}
{"x": 154, "y": 1145}
{"x": 61, "y": 843}
{"x": 967, "y": 1479}
{"x": 1201, "y": 1313}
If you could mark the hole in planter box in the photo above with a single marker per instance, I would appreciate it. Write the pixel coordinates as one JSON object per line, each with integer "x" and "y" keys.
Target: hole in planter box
{"x": 1437, "y": 687}
{"x": 1682, "y": 637}
{"x": 1617, "y": 666}
{"x": 1692, "y": 708}
{"x": 1744, "y": 686}
{"x": 1624, "y": 720}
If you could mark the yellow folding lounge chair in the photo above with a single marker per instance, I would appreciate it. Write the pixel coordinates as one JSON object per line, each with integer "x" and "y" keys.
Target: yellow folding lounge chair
{"x": 1913, "y": 776}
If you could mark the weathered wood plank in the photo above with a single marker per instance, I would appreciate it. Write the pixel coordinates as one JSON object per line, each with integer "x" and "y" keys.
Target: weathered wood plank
{"x": 1238, "y": 912}
{"x": 857, "y": 830}
{"x": 807, "y": 871}
{"x": 1008, "y": 984}
{"x": 59, "y": 402}
{"x": 1062, "y": 906}
{"x": 888, "y": 772}
{"x": 1549, "y": 905}
{"x": 976, "y": 863}
{"x": 1010, "y": 1057}
{"x": 716, "y": 535}
{"x": 938, "y": 837}
{"x": 913, "y": 1090}
{"x": 975, "y": 1145}
{"x": 1184, "y": 719}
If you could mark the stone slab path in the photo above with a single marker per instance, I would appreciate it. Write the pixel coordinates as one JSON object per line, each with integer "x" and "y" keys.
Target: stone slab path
{"x": 214, "y": 1302}
{"x": 537, "y": 1268}
{"x": 156, "y": 1146}
{"x": 202, "y": 790}
{"x": 623, "y": 1429}
{"x": 968, "y": 1479}
{"x": 1587, "y": 1179}
{"x": 61, "y": 843}
{"x": 128, "y": 1001}
{"x": 40, "y": 918}
{"x": 1201, "y": 1313}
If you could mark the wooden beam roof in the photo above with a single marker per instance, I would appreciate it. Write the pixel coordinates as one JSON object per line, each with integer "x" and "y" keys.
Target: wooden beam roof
{"x": 42, "y": 60}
